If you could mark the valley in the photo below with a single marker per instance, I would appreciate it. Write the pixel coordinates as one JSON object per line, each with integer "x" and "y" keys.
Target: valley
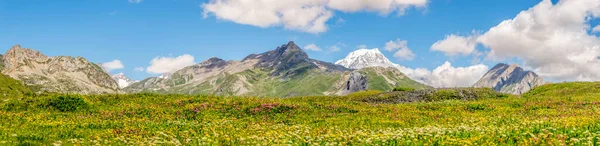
{"x": 283, "y": 97}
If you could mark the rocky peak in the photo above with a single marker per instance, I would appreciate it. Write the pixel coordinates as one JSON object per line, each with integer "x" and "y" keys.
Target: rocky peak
{"x": 282, "y": 59}
{"x": 213, "y": 62}
{"x": 17, "y": 56}
{"x": 62, "y": 74}
{"x": 510, "y": 79}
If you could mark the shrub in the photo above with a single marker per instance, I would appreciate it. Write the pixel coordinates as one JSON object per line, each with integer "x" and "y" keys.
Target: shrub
{"x": 476, "y": 107}
{"x": 68, "y": 103}
{"x": 404, "y": 89}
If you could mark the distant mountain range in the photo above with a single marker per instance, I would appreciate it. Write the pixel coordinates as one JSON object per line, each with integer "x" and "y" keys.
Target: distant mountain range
{"x": 283, "y": 72}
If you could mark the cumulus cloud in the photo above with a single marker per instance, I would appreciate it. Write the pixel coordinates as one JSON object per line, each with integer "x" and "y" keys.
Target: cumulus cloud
{"x": 139, "y": 69}
{"x": 382, "y": 6}
{"x": 334, "y": 48}
{"x": 447, "y": 75}
{"x": 402, "y": 52}
{"x": 135, "y": 1}
{"x": 550, "y": 39}
{"x": 306, "y": 15}
{"x": 454, "y": 45}
{"x": 302, "y": 15}
{"x": 596, "y": 29}
{"x": 164, "y": 65}
{"x": 115, "y": 64}
{"x": 312, "y": 47}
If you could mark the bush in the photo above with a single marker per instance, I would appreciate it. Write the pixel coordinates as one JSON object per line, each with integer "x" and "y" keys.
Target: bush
{"x": 476, "y": 107}
{"x": 404, "y": 89}
{"x": 68, "y": 103}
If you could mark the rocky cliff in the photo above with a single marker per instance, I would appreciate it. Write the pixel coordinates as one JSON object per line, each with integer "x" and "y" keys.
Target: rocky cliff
{"x": 510, "y": 79}
{"x": 61, "y": 74}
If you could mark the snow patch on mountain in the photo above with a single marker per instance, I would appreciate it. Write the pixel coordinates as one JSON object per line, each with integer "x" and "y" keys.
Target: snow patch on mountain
{"x": 122, "y": 80}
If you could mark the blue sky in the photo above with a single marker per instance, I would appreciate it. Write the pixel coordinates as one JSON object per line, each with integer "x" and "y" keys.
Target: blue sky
{"x": 135, "y": 33}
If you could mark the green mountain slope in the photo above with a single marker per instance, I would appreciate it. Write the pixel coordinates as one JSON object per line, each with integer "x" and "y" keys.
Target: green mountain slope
{"x": 11, "y": 87}
{"x": 386, "y": 79}
{"x": 568, "y": 89}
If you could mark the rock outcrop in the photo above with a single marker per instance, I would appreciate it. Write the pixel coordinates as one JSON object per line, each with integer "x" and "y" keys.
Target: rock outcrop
{"x": 62, "y": 74}
{"x": 510, "y": 79}
{"x": 356, "y": 82}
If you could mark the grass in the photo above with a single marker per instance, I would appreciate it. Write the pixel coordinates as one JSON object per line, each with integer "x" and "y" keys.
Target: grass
{"x": 379, "y": 82}
{"x": 10, "y": 87}
{"x": 555, "y": 114}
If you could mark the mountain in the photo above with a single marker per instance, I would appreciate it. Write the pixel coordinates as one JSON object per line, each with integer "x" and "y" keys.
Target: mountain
{"x": 283, "y": 72}
{"x": 362, "y": 58}
{"x": 366, "y": 59}
{"x": 510, "y": 79}
{"x": 122, "y": 80}
{"x": 61, "y": 74}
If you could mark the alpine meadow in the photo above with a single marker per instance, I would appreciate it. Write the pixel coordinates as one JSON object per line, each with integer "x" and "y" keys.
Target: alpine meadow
{"x": 300, "y": 72}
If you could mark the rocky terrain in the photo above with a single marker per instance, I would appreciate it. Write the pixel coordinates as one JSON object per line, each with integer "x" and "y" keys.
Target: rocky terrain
{"x": 510, "y": 79}
{"x": 61, "y": 74}
{"x": 283, "y": 72}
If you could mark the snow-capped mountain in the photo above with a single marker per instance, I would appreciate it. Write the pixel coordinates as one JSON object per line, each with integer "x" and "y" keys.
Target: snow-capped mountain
{"x": 122, "y": 80}
{"x": 362, "y": 58}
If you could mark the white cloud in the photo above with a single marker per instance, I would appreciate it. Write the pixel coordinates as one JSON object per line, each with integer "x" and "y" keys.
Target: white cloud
{"x": 401, "y": 48}
{"x": 306, "y": 15}
{"x": 115, "y": 64}
{"x": 163, "y": 65}
{"x": 382, "y": 6}
{"x": 363, "y": 46}
{"x": 447, "y": 75}
{"x": 454, "y": 45}
{"x": 334, "y": 48}
{"x": 596, "y": 29}
{"x": 135, "y": 1}
{"x": 312, "y": 47}
{"x": 301, "y": 15}
{"x": 551, "y": 39}
{"x": 139, "y": 69}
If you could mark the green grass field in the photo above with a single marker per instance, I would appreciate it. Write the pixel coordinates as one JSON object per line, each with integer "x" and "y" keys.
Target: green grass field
{"x": 555, "y": 114}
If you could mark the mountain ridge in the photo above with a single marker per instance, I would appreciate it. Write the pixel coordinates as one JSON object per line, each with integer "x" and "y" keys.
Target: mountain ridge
{"x": 285, "y": 71}
{"x": 63, "y": 74}
{"x": 510, "y": 79}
